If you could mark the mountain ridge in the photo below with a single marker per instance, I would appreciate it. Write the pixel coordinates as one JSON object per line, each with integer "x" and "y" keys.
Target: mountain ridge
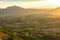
{"x": 45, "y": 13}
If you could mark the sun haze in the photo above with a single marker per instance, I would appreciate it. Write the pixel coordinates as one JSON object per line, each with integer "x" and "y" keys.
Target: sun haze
{"x": 35, "y": 4}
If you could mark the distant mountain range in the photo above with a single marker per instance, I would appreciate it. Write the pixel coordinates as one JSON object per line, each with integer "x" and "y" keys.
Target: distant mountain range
{"x": 15, "y": 10}
{"x": 55, "y": 13}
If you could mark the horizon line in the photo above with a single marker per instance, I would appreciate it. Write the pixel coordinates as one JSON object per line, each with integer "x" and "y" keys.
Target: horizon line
{"x": 27, "y": 8}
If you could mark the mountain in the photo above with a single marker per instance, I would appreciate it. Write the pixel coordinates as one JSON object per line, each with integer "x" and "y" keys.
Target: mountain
{"x": 43, "y": 13}
{"x": 19, "y": 11}
{"x": 16, "y": 9}
{"x": 13, "y": 9}
{"x": 55, "y": 13}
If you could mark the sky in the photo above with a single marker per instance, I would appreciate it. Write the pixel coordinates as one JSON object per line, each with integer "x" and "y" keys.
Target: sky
{"x": 35, "y": 4}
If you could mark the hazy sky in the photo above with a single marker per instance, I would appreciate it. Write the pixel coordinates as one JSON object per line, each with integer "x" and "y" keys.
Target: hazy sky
{"x": 19, "y": 0}
{"x": 30, "y": 3}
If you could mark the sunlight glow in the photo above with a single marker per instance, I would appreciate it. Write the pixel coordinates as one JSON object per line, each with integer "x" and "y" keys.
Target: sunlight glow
{"x": 33, "y": 4}
{"x": 54, "y": 2}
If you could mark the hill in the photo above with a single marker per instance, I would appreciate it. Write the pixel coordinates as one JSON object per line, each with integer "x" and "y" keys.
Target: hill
{"x": 55, "y": 13}
{"x": 19, "y": 11}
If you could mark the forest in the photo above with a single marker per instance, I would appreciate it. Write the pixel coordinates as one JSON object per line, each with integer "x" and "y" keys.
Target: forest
{"x": 29, "y": 28}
